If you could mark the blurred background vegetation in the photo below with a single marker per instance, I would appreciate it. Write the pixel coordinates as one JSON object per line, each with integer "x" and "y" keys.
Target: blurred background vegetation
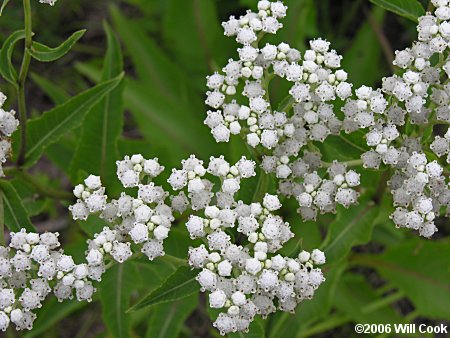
{"x": 169, "y": 47}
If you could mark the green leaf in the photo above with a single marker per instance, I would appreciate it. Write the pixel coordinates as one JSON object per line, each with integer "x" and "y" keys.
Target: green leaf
{"x": 44, "y": 53}
{"x": 203, "y": 38}
{"x": 178, "y": 243}
{"x": 52, "y": 90}
{"x": 410, "y": 9}
{"x": 163, "y": 101}
{"x": 92, "y": 225}
{"x": 165, "y": 124}
{"x": 131, "y": 146}
{"x": 116, "y": 287}
{"x": 167, "y": 319}
{"x": 5, "y": 2}
{"x": 340, "y": 148}
{"x": 51, "y": 313}
{"x": 151, "y": 275}
{"x": 363, "y": 58}
{"x": 16, "y": 216}
{"x": 6, "y": 67}
{"x": 52, "y": 125}
{"x": 61, "y": 153}
{"x": 27, "y": 194}
{"x": 351, "y": 227}
{"x": 356, "y": 298}
{"x": 427, "y": 134}
{"x": 97, "y": 147}
{"x": 151, "y": 64}
{"x": 421, "y": 269}
{"x": 179, "y": 285}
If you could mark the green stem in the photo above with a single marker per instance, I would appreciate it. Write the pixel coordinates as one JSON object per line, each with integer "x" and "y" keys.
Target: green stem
{"x": 338, "y": 320}
{"x": 385, "y": 301}
{"x": 2, "y": 221}
{"x": 384, "y": 288}
{"x": 411, "y": 316}
{"x": 41, "y": 189}
{"x": 286, "y": 104}
{"x": 44, "y": 190}
{"x": 352, "y": 144}
{"x": 172, "y": 260}
{"x": 437, "y": 122}
{"x": 256, "y": 155}
{"x": 350, "y": 164}
{"x": 21, "y": 81}
{"x": 262, "y": 187}
{"x": 333, "y": 322}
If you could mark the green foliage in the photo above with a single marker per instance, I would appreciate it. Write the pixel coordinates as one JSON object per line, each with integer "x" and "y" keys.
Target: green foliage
{"x": 162, "y": 100}
{"x": 410, "y": 9}
{"x": 363, "y": 57}
{"x": 44, "y": 53}
{"x": 16, "y": 216}
{"x": 302, "y": 25}
{"x": 356, "y": 298}
{"x": 52, "y": 125}
{"x": 54, "y": 92}
{"x": 52, "y": 313}
{"x": 180, "y": 284}
{"x": 4, "y": 4}
{"x": 421, "y": 270}
{"x": 203, "y": 36}
{"x": 7, "y": 69}
{"x": 156, "y": 109}
{"x": 350, "y": 228}
{"x": 116, "y": 288}
{"x": 97, "y": 148}
{"x": 167, "y": 319}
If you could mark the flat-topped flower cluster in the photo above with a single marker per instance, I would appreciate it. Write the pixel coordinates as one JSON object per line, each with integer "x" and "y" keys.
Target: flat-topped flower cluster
{"x": 239, "y": 260}
{"x": 32, "y": 267}
{"x": 393, "y": 117}
{"x": 245, "y": 277}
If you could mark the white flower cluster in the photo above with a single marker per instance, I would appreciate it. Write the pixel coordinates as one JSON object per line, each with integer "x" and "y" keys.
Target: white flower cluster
{"x": 144, "y": 220}
{"x": 419, "y": 190}
{"x": 416, "y": 99}
{"x": 441, "y": 145}
{"x": 192, "y": 177}
{"x": 317, "y": 194}
{"x": 8, "y": 125}
{"x": 313, "y": 192}
{"x": 306, "y": 115}
{"x": 393, "y": 116}
{"x": 241, "y": 267}
{"x": 32, "y": 267}
{"x": 316, "y": 80}
{"x": 245, "y": 277}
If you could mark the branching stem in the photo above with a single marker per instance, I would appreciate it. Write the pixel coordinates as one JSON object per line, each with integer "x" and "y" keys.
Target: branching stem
{"x": 262, "y": 187}
{"x": 21, "y": 81}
